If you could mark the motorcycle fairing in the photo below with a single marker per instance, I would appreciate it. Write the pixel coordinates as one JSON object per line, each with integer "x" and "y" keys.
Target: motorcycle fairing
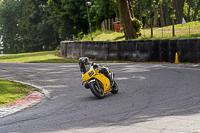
{"x": 94, "y": 74}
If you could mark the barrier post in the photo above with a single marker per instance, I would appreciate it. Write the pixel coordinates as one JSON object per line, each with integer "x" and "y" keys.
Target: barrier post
{"x": 109, "y": 24}
{"x": 151, "y": 28}
{"x": 189, "y": 29}
{"x": 173, "y": 33}
{"x": 106, "y": 25}
{"x": 116, "y": 24}
{"x": 112, "y": 24}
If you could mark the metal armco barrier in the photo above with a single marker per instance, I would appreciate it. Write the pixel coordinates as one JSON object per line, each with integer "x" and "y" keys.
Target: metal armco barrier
{"x": 138, "y": 50}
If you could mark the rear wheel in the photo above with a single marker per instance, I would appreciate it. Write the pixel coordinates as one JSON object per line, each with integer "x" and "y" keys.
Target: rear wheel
{"x": 114, "y": 88}
{"x": 97, "y": 91}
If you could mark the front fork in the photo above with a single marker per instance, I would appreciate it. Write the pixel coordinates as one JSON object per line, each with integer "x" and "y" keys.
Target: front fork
{"x": 86, "y": 85}
{"x": 112, "y": 76}
{"x": 99, "y": 87}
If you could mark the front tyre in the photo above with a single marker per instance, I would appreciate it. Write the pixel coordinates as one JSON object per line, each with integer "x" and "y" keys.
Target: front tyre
{"x": 114, "y": 88}
{"x": 97, "y": 91}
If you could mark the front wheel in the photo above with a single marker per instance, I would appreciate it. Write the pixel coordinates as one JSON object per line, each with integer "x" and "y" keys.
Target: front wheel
{"x": 114, "y": 88}
{"x": 97, "y": 91}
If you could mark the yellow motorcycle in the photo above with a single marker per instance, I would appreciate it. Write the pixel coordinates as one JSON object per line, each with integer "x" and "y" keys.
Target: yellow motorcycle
{"x": 94, "y": 80}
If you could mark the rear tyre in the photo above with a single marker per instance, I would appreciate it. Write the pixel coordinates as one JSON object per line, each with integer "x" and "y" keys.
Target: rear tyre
{"x": 114, "y": 88}
{"x": 98, "y": 92}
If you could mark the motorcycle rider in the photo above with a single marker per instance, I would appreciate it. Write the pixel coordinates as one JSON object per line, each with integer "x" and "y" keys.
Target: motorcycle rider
{"x": 85, "y": 65}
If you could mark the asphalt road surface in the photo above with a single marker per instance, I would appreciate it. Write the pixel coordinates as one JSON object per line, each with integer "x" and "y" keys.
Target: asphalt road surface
{"x": 152, "y": 98}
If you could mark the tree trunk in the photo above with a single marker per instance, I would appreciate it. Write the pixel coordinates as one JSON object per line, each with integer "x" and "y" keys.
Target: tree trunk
{"x": 140, "y": 11}
{"x": 166, "y": 13}
{"x": 178, "y": 6}
{"x": 196, "y": 11}
{"x": 130, "y": 7}
{"x": 126, "y": 15}
{"x": 161, "y": 15}
{"x": 188, "y": 15}
{"x": 155, "y": 22}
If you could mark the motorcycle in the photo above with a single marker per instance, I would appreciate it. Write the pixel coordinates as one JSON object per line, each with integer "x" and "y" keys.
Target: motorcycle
{"x": 98, "y": 83}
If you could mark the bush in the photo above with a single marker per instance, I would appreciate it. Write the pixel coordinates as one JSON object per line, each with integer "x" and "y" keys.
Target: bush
{"x": 138, "y": 25}
{"x": 80, "y": 35}
{"x": 58, "y": 47}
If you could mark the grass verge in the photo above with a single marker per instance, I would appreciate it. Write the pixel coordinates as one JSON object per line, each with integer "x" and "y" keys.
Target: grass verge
{"x": 10, "y": 92}
{"x": 43, "y": 57}
{"x": 35, "y": 57}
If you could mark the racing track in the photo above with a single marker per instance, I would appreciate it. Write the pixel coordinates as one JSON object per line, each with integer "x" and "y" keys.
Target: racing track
{"x": 152, "y": 98}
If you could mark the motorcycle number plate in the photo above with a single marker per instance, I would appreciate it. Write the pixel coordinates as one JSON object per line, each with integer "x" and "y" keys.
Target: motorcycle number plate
{"x": 91, "y": 73}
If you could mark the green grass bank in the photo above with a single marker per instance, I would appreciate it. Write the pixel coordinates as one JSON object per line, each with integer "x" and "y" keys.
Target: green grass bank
{"x": 10, "y": 92}
{"x": 189, "y": 30}
{"x": 35, "y": 57}
{"x": 43, "y": 57}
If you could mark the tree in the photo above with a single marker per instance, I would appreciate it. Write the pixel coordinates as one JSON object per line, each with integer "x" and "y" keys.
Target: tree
{"x": 190, "y": 2}
{"x": 10, "y": 13}
{"x": 196, "y": 11}
{"x": 178, "y": 6}
{"x": 140, "y": 10}
{"x": 126, "y": 16}
{"x": 41, "y": 34}
{"x": 35, "y": 25}
{"x": 77, "y": 12}
{"x": 161, "y": 15}
{"x": 24, "y": 24}
{"x": 155, "y": 22}
{"x": 101, "y": 10}
{"x": 166, "y": 13}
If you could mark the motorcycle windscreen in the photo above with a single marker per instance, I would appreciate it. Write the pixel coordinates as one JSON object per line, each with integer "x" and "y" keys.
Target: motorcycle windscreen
{"x": 87, "y": 68}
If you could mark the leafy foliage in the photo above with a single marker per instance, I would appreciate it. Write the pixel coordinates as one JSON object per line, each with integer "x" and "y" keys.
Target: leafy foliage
{"x": 10, "y": 13}
{"x": 38, "y": 25}
{"x": 138, "y": 25}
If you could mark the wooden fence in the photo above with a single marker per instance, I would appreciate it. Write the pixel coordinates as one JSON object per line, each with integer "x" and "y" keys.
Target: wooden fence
{"x": 156, "y": 32}
{"x": 111, "y": 24}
